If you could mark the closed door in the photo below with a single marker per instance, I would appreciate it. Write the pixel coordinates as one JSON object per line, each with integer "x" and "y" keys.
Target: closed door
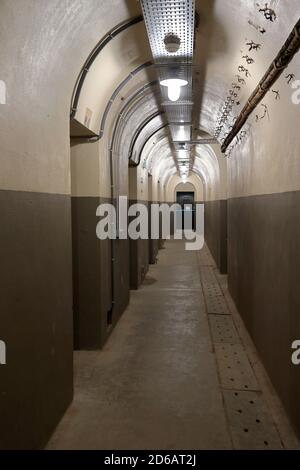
{"x": 187, "y": 208}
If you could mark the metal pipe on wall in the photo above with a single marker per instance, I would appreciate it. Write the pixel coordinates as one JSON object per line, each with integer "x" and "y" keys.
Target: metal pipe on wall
{"x": 92, "y": 57}
{"x": 284, "y": 57}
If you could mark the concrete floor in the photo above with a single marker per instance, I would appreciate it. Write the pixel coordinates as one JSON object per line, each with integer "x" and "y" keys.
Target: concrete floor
{"x": 157, "y": 384}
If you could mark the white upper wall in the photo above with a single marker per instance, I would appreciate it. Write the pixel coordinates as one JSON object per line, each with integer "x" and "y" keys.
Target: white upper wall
{"x": 268, "y": 159}
{"x": 43, "y": 47}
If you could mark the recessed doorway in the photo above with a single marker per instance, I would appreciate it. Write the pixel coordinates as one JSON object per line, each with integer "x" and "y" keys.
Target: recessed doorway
{"x": 186, "y": 201}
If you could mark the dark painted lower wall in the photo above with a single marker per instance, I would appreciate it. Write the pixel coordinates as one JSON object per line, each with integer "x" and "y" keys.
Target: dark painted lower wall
{"x": 153, "y": 244}
{"x": 121, "y": 279}
{"x": 100, "y": 276}
{"x": 215, "y": 229}
{"x": 36, "y": 384}
{"x": 92, "y": 276}
{"x": 264, "y": 277}
{"x": 145, "y": 252}
{"x": 139, "y": 262}
{"x": 153, "y": 251}
{"x": 140, "y": 255}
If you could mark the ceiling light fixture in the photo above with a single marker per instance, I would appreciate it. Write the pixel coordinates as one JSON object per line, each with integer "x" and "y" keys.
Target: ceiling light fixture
{"x": 174, "y": 85}
{"x": 182, "y": 154}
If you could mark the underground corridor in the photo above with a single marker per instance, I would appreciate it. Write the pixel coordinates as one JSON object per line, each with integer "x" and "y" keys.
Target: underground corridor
{"x": 150, "y": 235}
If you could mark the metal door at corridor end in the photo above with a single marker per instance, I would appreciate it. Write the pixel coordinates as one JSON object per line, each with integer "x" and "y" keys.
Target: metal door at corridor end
{"x": 187, "y": 203}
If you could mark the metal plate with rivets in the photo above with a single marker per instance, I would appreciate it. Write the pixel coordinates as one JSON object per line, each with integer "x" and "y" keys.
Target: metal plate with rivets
{"x": 211, "y": 289}
{"x": 250, "y": 422}
{"x": 217, "y": 305}
{"x": 163, "y": 17}
{"x": 223, "y": 329}
{"x": 235, "y": 370}
{"x": 210, "y": 284}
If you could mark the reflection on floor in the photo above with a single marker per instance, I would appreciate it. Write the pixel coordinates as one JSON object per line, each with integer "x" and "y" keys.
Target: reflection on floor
{"x": 174, "y": 373}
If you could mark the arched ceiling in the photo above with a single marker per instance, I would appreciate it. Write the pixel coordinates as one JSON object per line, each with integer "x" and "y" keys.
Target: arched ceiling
{"x": 53, "y": 41}
{"x": 225, "y": 67}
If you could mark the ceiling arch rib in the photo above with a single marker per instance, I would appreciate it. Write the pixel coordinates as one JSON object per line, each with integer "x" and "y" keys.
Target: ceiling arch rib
{"x": 128, "y": 51}
{"x": 149, "y": 138}
{"x": 207, "y": 167}
{"x": 148, "y": 127}
{"x": 130, "y": 124}
{"x": 93, "y": 56}
{"x": 134, "y": 105}
{"x": 117, "y": 92}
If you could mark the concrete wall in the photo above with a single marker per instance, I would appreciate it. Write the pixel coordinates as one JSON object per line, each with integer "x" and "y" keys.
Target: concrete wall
{"x": 215, "y": 223}
{"x": 138, "y": 249}
{"x": 263, "y": 224}
{"x": 92, "y": 258}
{"x": 36, "y": 315}
{"x": 44, "y": 45}
{"x": 211, "y": 165}
{"x": 263, "y": 237}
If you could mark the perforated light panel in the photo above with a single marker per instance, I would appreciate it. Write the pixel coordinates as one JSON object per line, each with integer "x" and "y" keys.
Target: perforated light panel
{"x": 176, "y": 17}
{"x": 163, "y": 17}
